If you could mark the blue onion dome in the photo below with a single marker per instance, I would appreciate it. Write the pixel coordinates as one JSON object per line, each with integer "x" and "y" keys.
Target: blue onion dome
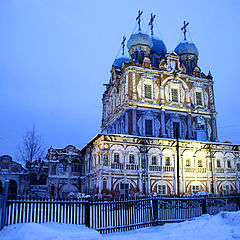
{"x": 158, "y": 45}
{"x": 118, "y": 61}
{"x": 186, "y": 47}
{"x": 139, "y": 38}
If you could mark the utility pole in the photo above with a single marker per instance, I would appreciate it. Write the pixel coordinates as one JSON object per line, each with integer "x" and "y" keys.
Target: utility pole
{"x": 178, "y": 184}
{"x": 210, "y": 152}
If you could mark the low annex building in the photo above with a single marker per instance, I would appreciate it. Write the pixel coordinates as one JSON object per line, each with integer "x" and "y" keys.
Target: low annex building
{"x": 121, "y": 165}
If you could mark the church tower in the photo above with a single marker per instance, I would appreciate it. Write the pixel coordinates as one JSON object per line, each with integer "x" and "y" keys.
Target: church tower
{"x": 153, "y": 93}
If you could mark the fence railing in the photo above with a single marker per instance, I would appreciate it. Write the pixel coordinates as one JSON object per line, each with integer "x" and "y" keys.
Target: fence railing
{"x": 115, "y": 215}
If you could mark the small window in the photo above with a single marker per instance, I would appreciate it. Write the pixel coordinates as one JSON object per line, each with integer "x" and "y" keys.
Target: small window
{"x": 238, "y": 167}
{"x": 199, "y": 98}
{"x": 195, "y": 188}
{"x": 167, "y": 162}
{"x": 148, "y": 127}
{"x": 154, "y": 160}
{"x": 162, "y": 190}
{"x": 116, "y": 157}
{"x": 218, "y": 163}
{"x": 188, "y": 163}
{"x": 229, "y": 164}
{"x": 131, "y": 159}
{"x": 174, "y": 94}
{"x": 105, "y": 160}
{"x": 76, "y": 167}
{"x": 63, "y": 166}
{"x": 200, "y": 163}
{"x": 148, "y": 90}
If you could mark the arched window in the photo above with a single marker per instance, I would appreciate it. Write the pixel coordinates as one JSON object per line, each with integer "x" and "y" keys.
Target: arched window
{"x": 76, "y": 166}
{"x": 33, "y": 179}
{"x": 63, "y": 166}
{"x": 42, "y": 180}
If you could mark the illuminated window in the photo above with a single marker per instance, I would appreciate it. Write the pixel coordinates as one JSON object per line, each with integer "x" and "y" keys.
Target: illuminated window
{"x": 105, "y": 160}
{"x": 131, "y": 158}
{"x": 188, "y": 163}
{"x": 238, "y": 167}
{"x": 195, "y": 188}
{"x": 226, "y": 190}
{"x": 167, "y": 161}
{"x": 162, "y": 190}
{"x": 154, "y": 160}
{"x": 148, "y": 91}
{"x": 63, "y": 166}
{"x": 199, "y": 98}
{"x": 174, "y": 94}
{"x": 229, "y": 164}
{"x": 218, "y": 163}
{"x": 116, "y": 157}
{"x": 200, "y": 164}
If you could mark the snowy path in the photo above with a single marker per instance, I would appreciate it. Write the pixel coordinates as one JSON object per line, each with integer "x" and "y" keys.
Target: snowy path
{"x": 224, "y": 226}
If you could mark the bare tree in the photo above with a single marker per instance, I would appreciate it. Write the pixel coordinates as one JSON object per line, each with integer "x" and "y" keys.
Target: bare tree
{"x": 31, "y": 148}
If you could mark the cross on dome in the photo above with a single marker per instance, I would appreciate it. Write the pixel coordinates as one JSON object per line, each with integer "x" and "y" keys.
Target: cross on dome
{"x": 139, "y": 19}
{"x": 151, "y": 22}
{"x": 184, "y": 29}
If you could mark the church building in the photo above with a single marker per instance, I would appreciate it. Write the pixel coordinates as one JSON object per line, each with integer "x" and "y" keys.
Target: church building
{"x": 159, "y": 130}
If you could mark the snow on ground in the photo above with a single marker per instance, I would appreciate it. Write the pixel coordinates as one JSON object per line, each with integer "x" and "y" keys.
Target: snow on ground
{"x": 224, "y": 226}
{"x": 48, "y": 231}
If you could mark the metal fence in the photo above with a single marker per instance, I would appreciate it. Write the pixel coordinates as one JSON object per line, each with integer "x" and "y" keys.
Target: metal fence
{"x": 115, "y": 215}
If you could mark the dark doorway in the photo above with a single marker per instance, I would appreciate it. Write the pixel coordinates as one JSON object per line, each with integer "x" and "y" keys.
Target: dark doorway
{"x": 176, "y": 131}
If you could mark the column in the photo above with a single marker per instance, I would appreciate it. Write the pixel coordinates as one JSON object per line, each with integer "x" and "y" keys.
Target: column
{"x": 126, "y": 122}
{"x": 214, "y": 133}
{"x": 134, "y": 121}
{"x": 163, "y": 132}
{"x": 189, "y": 125}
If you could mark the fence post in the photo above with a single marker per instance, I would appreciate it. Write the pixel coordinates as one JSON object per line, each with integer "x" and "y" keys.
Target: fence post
{"x": 155, "y": 211}
{"x": 87, "y": 213}
{"x": 204, "y": 206}
{"x": 4, "y": 206}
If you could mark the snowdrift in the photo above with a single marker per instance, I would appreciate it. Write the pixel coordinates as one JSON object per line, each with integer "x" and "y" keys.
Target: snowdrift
{"x": 224, "y": 226}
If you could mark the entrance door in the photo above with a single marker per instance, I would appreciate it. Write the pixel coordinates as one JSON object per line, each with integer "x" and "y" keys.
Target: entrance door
{"x": 124, "y": 190}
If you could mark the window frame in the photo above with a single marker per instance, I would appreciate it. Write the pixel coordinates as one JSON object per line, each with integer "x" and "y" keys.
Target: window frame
{"x": 116, "y": 157}
{"x": 154, "y": 160}
{"x": 131, "y": 157}
{"x": 199, "y": 101}
{"x": 162, "y": 189}
{"x": 148, "y": 94}
{"x": 167, "y": 161}
{"x": 174, "y": 96}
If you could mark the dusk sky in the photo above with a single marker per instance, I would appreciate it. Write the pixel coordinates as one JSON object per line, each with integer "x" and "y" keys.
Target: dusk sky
{"x": 55, "y": 56}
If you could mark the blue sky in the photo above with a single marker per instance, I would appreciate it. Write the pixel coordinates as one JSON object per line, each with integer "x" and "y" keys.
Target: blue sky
{"x": 55, "y": 56}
